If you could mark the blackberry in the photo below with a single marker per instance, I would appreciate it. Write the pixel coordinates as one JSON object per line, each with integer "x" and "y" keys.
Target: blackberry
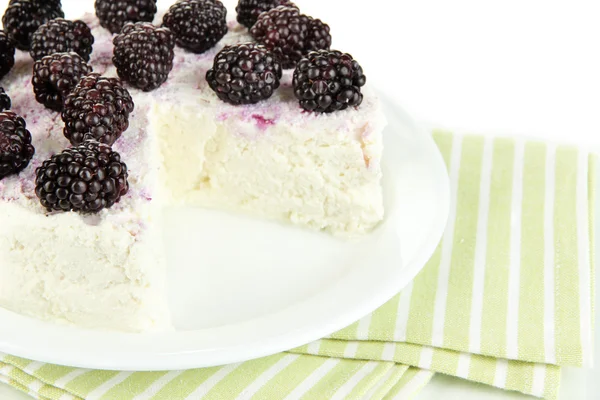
{"x": 290, "y": 35}
{"x": 144, "y": 55}
{"x": 54, "y": 77}
{"x": 23, "y": 17}
{"x": 327, "y": 81}
{"x": 62, "y": 36}
{"x": 244, "y": 74}
{"x": 7, "y": 54}
{"x": 197, "y": 24}
{"x": 98, "y": 108}
{"x": 86, "y": 178}
{"x": 114, "y": 14}
{"x": 15, "y": 144}
{"x": 249, "y": 10}
{"x": 5, "y": 103}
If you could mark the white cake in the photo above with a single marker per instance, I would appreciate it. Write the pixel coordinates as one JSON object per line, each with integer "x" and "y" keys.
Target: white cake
{"x": 186, "y": 147}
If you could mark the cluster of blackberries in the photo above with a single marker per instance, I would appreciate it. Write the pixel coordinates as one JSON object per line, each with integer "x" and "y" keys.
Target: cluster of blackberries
{"x": 324, "y": 80}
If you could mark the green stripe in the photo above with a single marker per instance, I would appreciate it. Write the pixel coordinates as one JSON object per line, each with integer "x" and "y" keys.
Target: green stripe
{"x": 370, "y": 380}
{"x": 349, "y": 332}
{"x": 552, "y": 382}
{"x": 184, "y": 384}
{"x": 495, "y": 300}
{"x": 383, "y": 320}
{"x": 531, "y": 293}
{"x": 519, "y": 376}
{"x": 84, "y": 384}
{"x": 395, "y": 377}
{"x": 482, "y": 369}
{"x": 445, "y": 361}
{"x": 283, "y": 383}
{"x": 567, "y": 327}
{"x": 51, "y": 373}
{"x": 420, "y": 318}
{"x": 135, "y": 384}
{"x": 409, "y": 354}
{"x": 239, "y": 379}
{"x": 17, "y": 361}
{"x": 369, "y": 350}
{"x": 405, "y": 380}
{"x": 460, "y": 285}
{"x": 333, "y": 380}
{"x": 333, "y": 348}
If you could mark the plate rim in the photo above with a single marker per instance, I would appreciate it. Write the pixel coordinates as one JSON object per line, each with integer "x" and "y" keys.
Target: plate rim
{"x": 275, "y": 344}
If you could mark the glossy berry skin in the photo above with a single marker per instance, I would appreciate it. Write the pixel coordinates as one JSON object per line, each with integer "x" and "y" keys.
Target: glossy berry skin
{"x": 114, "y": 14}
{"x": 144, "y": 55}
{"x": 244, "y": 74}
{"x": 15, "y": 144}
{"x": 87, "y": 178}
{"x": 62, "y": 36}
{"x": 23, "y": 17}
{"x": 290, "y": 35}
{"x": 98, "y": 108}
{"x": 198, "y": 25}
{"x": 249, "y": 10}
{"x": 327, "y": 81}
{"x": 5, "y": 102}
{"x": 7, "y": 54}
{"x": 54, "y": 77}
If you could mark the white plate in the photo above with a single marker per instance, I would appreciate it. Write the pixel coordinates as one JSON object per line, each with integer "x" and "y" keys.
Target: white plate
{"x": 242, "y": 289}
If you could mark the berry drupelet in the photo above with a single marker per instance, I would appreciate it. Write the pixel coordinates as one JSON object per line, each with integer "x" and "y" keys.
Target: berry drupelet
{"x": 244, "y": 74}
{"x": 197, "y": 24}
{"x": 54, "y": 77}
{"x": 249, "y": 10}
{"x": 7, "y": 54}
{"x": 98, "y": 108}
{"x": 23, "y": 17}
{"x": 327, "y": 81}
{"x": 114, "y": 14}
{"x": 5, "y": 102}
{"x": 290, "y": 35}
{"x": 144, "y": 55}
{"x": 15, "y": 144}
{"x": 62, "y": 36}
{"x": 86, "y": 178}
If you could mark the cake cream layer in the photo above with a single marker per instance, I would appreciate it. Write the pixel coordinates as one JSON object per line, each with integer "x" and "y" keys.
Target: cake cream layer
{"x": 186, "y": 147}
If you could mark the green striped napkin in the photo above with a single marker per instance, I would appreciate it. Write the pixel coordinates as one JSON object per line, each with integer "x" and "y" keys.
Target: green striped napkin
{"x": 505, "y": 300}
{"x": 507, "y": 297}
{"x": 281, "y": 376}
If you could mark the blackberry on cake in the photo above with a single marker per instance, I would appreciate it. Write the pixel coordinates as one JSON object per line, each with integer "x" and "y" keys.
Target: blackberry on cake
{"x": 54, "y": 77}
{"x": 7, "y": 54}
{"x": 197, "y": 24}
{"x": 143, "y": 55}
{"x": 244, "y": 74}
{"x": 62, "y": 36}
{"x": 86, "y": 178}
{"x": 15, "y": 144}
{"x": 249, "y": 10}
{"x": 23, "y": 17}
{"x": 290, "y": 35}
{"x": 114, "y": 14}
{"x": 5, "y": 102}
{"x": 98, "y": 108}
{"x": 327, "y": 81}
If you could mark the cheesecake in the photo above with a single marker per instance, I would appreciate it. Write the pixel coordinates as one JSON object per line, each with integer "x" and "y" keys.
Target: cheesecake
{"x": 184, "y": 147}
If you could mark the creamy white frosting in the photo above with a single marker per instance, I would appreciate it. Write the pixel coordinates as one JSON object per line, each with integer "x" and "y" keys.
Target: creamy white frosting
{"x": 183, "y": 146}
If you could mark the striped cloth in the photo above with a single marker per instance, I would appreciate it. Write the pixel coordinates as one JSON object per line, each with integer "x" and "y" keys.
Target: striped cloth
{"x": 507, "y": 297}
{"x": 281, "y": 376}
{"x": 505, "y": 300}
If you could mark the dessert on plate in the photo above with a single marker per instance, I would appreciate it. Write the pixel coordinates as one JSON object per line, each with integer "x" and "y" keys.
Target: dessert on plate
{"x": 108, "y": 119}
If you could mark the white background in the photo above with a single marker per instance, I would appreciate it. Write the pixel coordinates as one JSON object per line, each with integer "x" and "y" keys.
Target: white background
{"x": 523, "y": 67}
